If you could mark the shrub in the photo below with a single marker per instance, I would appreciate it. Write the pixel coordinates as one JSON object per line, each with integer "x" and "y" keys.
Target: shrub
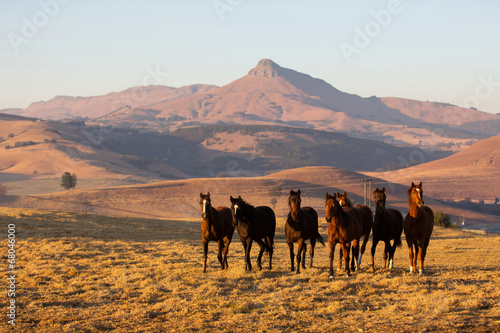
{"x": 443, "y": 220}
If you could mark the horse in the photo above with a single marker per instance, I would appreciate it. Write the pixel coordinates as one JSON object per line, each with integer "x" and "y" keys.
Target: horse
{"x": 367, "y": 218}
{"x": 387, "y": 226}
{"x": 418, "y": 226}
{"x": 216, "y": 226}
{"x": 345, "y": 226}
{"x": 254, "y": 224}
{"x": 301, "y": 225}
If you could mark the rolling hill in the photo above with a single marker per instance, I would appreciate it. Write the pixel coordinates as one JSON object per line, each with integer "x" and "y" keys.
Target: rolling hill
{"x": 472, "y": 173}
{"x": 180, "y": 198}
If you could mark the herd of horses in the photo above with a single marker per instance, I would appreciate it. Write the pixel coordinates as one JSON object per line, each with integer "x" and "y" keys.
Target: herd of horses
{"x": 348, "y": 225}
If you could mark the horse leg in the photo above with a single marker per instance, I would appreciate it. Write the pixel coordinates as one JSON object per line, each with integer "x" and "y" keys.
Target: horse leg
{"x": 227, "y": 241}
{"x": 423, "y": 252}
{"x": 300, "y": 249}
{"x": 332, "y": 250}
{"x": 292, "y": 256}
{"x": 261, "y": 252}
{"x": 270, "y": 244}
{"x": 205, "y": 255}
{"x": 410, "y": 248}
{"x": 363, "y": 247}
{"x": 346, "y": 248}
{"x": 417, "y": 254}
{"x": 355, "y": 254}
{"x": 304, "y": 250}
{"x": 220, "y": 245}
{"x": 386, "y": 251}
{"x": 392, "y": 249}
{"x": 341, "y": 256}
{"x": 374, "y": 248}
{"x": 313, "y": 244}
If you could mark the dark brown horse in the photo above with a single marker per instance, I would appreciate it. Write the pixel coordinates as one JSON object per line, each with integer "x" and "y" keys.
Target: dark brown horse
{"x": 254, "y": 224}
{"x": 387, "y": 226}
{"x": 367, "y": 219}
{"x": 345, "y": 226}
{"x": 301, "y": 225}
{"x": 418, "y": 226}
{"x": 216, "y": 226}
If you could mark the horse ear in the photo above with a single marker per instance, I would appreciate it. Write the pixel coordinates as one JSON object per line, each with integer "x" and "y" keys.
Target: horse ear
{"x": 412, "y": 185}
{"x": 231, "y": 199}
{"x": 201, "y": 195}
{"x": 345, "y": 194}
{"x": 327, "y": 195}
{"x": 208, "y": 195}
{"x": 383, "y": 189}
{"x": 291, "y": 192}
{"x": 420, "y": 185}
{"x": 298, "y": 192}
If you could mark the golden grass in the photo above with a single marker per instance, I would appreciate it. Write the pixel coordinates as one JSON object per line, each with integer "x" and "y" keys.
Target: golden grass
{"x": 89, "y": 273}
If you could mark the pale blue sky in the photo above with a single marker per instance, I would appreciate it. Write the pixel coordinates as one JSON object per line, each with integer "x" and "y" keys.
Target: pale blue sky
{"x": 428, "y": 50}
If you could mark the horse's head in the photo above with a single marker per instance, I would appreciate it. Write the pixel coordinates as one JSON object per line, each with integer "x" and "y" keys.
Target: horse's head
{"x": 380, "y": 197}
{"x": 205, "y": 204}
{"x": 344, "y": 200}
{"x": 294, "y": 203}
{"x": 236, "y": 207}
{"x": 332, "y": 207}
{"x": 416, "y": 195}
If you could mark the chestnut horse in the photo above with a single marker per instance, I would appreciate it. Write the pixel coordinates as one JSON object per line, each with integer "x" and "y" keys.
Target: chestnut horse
{"x": 367, "y": 218}
{"x": 215, "y": 226}
{"x": 418, "y": 226}
{"x": 345, "y": 226}
{"x": 387, "y": 226}
{"x": 301, "y": 225}
{"x": 254, "y": 224}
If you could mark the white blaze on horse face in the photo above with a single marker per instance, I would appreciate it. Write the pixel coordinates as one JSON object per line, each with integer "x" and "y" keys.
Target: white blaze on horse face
{"x": 235, "y": 209}
{"x": 204, "y": 206}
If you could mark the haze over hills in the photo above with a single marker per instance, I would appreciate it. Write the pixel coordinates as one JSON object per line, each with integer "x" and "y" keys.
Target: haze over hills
{"x": 64, "y": 107}
{"x": 271, "y": 94}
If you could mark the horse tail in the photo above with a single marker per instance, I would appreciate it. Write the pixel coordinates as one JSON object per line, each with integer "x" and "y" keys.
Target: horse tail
{"x": 320, "y": 239}
{"x": 397, "y": 241}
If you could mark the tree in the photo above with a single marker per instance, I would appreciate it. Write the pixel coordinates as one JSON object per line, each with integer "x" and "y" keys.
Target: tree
{"x": 442, "y": 219}
{"x": 68, "y": 180}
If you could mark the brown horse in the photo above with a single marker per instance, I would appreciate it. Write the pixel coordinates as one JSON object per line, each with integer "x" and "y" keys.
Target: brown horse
{"x": 418, "y": 226}
{"x": 345, "y": 226}
{"x": 254, "y": 224}
{"x": 301, "y": 225}
{"x": 215, "y": 226}
{"x": 367, "y": 218}
{"x": 387, "y": 226}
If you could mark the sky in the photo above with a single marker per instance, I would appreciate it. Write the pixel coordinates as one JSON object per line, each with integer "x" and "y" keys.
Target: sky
{"x": 440, "y": 51}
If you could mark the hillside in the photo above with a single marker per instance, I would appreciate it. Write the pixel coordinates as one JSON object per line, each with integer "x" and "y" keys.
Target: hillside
{"x": 273, "y": 95}
{"x": 180, "y": 198}
{"x": 67, "y": 107}
{"x": 472, "y": 173}
{"x": 38, "y": 152}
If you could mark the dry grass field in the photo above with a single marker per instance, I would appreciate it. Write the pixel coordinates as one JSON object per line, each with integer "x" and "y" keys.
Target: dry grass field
{"x": 89, "y": 273}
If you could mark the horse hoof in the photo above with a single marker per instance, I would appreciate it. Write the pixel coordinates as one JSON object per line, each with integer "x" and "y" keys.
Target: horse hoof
{"x": 421, "y": 272}
{"x": 330, "y": 278}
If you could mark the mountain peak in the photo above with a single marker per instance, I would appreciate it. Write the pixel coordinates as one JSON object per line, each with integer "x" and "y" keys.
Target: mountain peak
{"x": 266, "y": 68}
